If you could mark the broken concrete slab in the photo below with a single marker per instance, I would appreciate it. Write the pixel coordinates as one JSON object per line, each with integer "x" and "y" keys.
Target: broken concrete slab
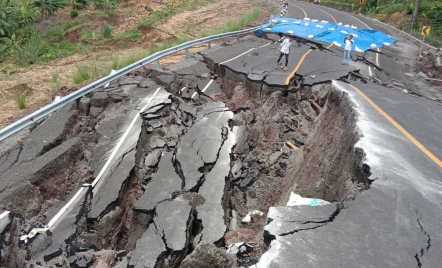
{"x": 148, "y": 248}
{"x": 170, "y": 230}
{"x": 156, "y": 190}
{"x": 44, "y": 247}
{"x": 157, "y": 143}
{"x": 175, "y": 219}
{"x": 211, "y": 213}
{"x": 201, "y": 144}
{"x": 131, "y": 80}
{"x": 153, "y": 158}
{"x": 48, "y": 134}
{"x": 285, "y": 220}
{"x": 187, "y": 108}
{"x": 99, "y": 99}
{"x": 109, "y": 190}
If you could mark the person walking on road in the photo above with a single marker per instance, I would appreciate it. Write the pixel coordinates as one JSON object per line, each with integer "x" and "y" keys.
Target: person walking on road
{"x": 347, "y": 49}
{"x": 284, "y": 50}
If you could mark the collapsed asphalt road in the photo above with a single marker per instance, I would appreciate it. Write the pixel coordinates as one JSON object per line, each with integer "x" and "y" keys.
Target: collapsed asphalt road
{"x": 192, "y": 166}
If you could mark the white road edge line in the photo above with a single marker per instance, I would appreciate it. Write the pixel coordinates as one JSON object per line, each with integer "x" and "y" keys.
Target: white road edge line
{"x": 120, "y": 142}
{"x": 305, "y": 13}
{"x": 265, "y": 45}
{"x": 377, "y": 57}
{"x": 73, "y": 199}
{"x": 4, "y": 214}
{"x": 224, "y": 62}
{"x": 63, "y": 210}
{"x": 204, "y": 89}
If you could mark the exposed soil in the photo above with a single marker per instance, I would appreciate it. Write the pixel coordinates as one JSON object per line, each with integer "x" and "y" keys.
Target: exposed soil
{"x": 397, "y": 19}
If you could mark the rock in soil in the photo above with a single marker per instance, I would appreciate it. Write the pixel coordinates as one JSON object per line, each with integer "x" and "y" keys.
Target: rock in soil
{"x": 208, "y": 255}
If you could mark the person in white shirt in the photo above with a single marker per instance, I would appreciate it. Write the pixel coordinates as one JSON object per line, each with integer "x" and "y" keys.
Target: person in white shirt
{"x": 284, "y": 50}
{"x": 348, "y": 43}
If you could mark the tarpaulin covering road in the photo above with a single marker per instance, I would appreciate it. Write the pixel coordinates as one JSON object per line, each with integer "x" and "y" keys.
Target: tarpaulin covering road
{"x": 364, "y": 39}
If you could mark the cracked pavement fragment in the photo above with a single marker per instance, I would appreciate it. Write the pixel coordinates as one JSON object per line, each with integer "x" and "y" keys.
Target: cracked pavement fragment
{"x": 168, "y": 234}
{"x": 288, "y": 220}
{"x": 211, "y": 212}
{"x": 109, "y": 192}
{"x": 164, "y": 183}
{"x": 202, "y": 142}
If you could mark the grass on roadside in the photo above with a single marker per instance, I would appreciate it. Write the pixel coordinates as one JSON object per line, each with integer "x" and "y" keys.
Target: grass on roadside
{"x": 20, "y": 99}
{"x": 161, "y": 15}
{"x": 56, "y": 82}
{"x": 84, "y": 73}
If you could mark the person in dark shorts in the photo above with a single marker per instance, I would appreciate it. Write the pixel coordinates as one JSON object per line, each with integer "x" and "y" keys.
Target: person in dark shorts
{"x": 284, "y": 50}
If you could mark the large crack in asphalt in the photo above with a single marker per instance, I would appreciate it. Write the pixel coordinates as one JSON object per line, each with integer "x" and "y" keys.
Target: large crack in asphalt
{"x": 200, "y": 168}
{"x": 419, "y": 255}
{"x": 319, "y": 223}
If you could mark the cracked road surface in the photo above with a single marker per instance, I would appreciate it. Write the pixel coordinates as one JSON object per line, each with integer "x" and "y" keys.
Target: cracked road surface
{"x": 161, "y": 168}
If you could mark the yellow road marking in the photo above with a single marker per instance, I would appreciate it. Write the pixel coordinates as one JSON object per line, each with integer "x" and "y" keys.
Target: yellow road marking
{"x": 291, "y": 145}
{"x": 401, "y": 129}
{"x": 287, "y": 81}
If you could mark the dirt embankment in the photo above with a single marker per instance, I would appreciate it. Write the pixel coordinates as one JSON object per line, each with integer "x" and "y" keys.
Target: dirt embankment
{"x": 398, "y": 19}
{"x": 325, "y": 163}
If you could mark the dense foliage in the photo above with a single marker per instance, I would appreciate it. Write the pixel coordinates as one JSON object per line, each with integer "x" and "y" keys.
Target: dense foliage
{"x": 18, "y": 38}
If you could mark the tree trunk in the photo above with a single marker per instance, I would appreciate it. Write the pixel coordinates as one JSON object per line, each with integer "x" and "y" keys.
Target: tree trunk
{"x": 416, "y": 11}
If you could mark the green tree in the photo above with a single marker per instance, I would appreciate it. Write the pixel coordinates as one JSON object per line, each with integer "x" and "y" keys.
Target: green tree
{"x": 6, "y": 17}
{"x": 28, "y": 13}
{"x": 80, "y": 3}
{"x": 107, "y": 5}
{"x": 49, "y": 7}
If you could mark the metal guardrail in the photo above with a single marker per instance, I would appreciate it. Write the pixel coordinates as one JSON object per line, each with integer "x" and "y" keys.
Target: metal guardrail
{"x": 44, "y": 111}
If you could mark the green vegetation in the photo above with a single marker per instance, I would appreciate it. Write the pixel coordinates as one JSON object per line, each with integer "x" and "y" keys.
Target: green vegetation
{"x": 235, "y": 25}
{"x": 26, "y": 45}
{"x": 106, "y": 5}
{"x": 106, "y": 30}
{"x": 74, "y": 13}
{"x": 20, "y": 99}
{"x": 430, "y": 13}
{"x": 56, "y": 83}
{"x": 171, "y": 9}
{"x": 83, "y": 73}
{"x": 23, "y": 44}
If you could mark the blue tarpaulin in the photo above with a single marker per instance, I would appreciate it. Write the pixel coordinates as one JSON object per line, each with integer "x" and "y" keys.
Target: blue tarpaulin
{"x": 364, "y": 39}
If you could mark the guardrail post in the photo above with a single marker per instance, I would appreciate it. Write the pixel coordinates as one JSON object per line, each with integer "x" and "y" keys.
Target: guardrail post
{"x": 237, "y": 37}
{"x": 187, "y": 53}
{"x": 209, "y": 44}
{"x": 158, "y": 64}
{"x": 224, "y": 41}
